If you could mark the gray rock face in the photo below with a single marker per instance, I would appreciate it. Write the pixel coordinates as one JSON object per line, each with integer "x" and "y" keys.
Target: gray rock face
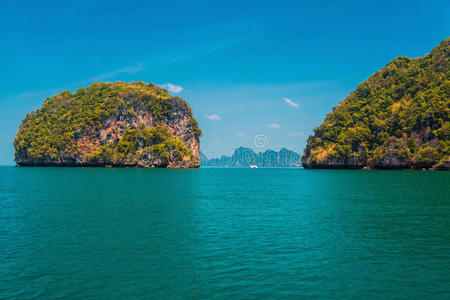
{"x": 395, "y": 157}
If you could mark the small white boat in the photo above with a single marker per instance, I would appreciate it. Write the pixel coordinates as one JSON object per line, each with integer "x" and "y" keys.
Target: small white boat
{"x": 253, "y": 166}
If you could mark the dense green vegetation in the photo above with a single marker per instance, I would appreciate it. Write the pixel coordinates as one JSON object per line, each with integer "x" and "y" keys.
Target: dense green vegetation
{"x": 156, "y": 143}
{"x": 400, "y": 115}
{"x": 51, "y": 131}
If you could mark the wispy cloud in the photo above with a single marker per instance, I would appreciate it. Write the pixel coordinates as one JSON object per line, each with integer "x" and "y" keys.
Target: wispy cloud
{"x": 172, "y": 87}
{"x": 290, "y": 102}
{"x": 215, "y": 38}
{"x": 213, "y": 117}
{"x": 128, "y": 70}
{"x": 42, "y": 94}
{"x": 240, "y": 133}
{"x": 297, "y": 134}
{"x": 272, "y": 126}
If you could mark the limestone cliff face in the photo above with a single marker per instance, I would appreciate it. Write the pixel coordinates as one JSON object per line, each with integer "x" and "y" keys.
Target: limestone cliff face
{"x": 117, "y": 124}
{"x": 398, "y": 119}
{"x": 394, "y": 156}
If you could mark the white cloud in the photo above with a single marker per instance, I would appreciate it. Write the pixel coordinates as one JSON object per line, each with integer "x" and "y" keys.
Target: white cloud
{"x": 213, "y": 117}
{"x": 172, "y": 87}
{"x": 272, "y": 126}
{"x": 290, "y": 102}
{"x": 240, "y": 133}
{"x": 297, "y": 134}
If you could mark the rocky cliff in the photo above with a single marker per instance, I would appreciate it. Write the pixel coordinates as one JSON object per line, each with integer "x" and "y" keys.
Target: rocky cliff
{"x": 398, "y": 119}
{"x": 110, "y": 124}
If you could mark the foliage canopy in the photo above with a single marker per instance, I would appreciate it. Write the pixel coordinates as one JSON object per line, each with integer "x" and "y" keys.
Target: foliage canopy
{"x": 401, "y": 113}
{"x": 52, "y": 131}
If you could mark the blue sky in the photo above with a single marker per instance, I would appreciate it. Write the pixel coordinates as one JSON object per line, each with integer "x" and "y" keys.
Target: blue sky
{"x": 248, "y": 68}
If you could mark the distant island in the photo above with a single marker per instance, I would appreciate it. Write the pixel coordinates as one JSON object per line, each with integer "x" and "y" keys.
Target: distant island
{"x": 246, "y": 157}
{"x": 398, "y": 119}
{"x": 110, "y": 124}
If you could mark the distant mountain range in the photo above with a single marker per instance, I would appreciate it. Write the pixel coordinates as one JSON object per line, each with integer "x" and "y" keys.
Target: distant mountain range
{"x": 244, "y": 157}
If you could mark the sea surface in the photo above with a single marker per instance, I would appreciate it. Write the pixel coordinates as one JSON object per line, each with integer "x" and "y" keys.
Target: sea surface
{"x": 223, "y": 233}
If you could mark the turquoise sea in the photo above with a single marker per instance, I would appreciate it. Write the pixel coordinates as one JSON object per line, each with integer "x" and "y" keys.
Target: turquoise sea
{"x": 94, "y": 233}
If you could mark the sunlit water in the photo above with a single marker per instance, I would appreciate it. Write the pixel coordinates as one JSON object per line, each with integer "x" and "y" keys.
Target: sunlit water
{"x": 223, "y": 233}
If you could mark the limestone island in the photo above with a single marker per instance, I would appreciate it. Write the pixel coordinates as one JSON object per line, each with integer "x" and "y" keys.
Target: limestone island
{"x": 398, "y": 119}
{"x": 110, "y": 124}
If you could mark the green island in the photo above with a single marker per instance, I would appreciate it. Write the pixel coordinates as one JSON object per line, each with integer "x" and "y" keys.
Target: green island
{"x": 398, "y": 119}
{"x": 110, "y": 124}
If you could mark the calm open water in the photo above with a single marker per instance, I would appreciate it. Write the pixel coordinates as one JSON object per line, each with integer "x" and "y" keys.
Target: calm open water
{"x": 91, "y": 233}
